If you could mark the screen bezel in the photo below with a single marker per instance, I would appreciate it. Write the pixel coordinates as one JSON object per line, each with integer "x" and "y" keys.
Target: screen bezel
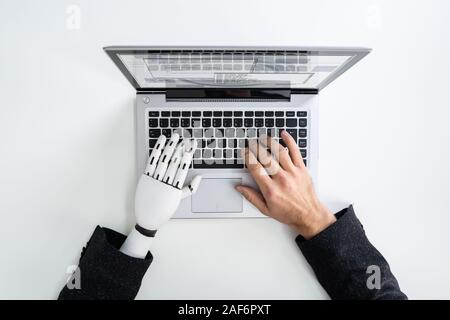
{"x": 357, "y": 54}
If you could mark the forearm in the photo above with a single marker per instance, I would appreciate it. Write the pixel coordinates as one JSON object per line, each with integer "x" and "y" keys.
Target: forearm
{"x": 138, "y": 243}
{"x": 105, "y": 272}
{"x": 340, "y": 257}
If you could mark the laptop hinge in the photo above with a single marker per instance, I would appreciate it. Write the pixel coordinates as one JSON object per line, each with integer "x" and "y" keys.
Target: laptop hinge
{"x": 228, "y": 94}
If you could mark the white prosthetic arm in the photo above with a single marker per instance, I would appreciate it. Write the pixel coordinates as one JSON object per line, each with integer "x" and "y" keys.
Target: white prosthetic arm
{"x": 159, "y": 191}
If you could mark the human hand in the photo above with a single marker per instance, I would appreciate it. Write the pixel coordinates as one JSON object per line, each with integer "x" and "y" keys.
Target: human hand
{"x": 286, "y": 189}
{"x": 160, "y": 190}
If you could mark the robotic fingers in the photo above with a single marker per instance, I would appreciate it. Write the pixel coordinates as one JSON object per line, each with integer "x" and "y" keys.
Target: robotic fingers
{"x": 169, "y": 162}
{"x": 160, "y": 190}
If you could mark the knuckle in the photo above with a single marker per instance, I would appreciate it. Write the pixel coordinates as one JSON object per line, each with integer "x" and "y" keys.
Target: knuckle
{"x": 282, "y": 177}
{"x": 273, "y": 169}
{"x": 285, "y": 181}
{"x": 271, "y": 194}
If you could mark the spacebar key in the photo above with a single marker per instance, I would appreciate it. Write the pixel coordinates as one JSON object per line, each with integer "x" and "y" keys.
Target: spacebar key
{"x": 213, "y": 165}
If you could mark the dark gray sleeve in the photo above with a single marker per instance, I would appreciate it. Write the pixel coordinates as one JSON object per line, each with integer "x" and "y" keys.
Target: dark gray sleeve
{"x": 340, "y": 257}
{"x": 104, "y": 271}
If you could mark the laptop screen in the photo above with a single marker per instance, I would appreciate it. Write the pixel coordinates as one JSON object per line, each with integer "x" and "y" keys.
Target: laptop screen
{"x": 237, "y": 68}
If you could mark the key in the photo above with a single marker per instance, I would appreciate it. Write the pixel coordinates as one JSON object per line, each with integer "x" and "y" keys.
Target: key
{"x": 207, "y": 113}
{"x": 291, "y": 123}
{"x": 154, "y": 133}
{"x": 163, "y": 122}
{"x": 302, "y": 123}
{"x": 229, "y": 132}
{"x": 240, "y": 133}
{"x": 152, "y": 123}
{"x": 302, "y": 114}
{"x": 211, "y": 143}
{"x": 259, "y": 114}
{"x": 249, "y": 113}
{"x": 268, "y": 113}
{"x": 153, "y": 114}
{"x": 269, "y": 122}
{"x": 259, "y": 122}
{"x": 302, "y": 133}
{"x": 206, "y": 122}
{"x": 224, "y": 165}
{"x": 290, "y": 114}
{"x": 178, "y": 131}
{"x": 222, "y": 143}
{"x": 174, "y": 123}
{"x": 217, "y": 122}
{"x": 219, "y": 133}
{"x": 227, "y": 122}
{"x": 279, "y": 123}
{"x": 218, "y": 153}
{"x": 237, "y": 113}
{"x": 165, "y": 113}
{"x": 167, "y": 132}
{"x": 293, "y": 133}
{"x": 198, "y": 133}
{"x": 248, "y": 122}
{"x": 152, "y": 143}
{"x": 207, "y": 153}
{"x": 272, "y": 132}
{"x": 196, "y": 122}
{"x": 303, "y": 153}
{"x": 185, "y": 122}
{"x": 227, "y": 113}
{"x": 237, "y": 122}
{"x": 251, "y": 133}
{"x": 186, "y": 113}
{"x": 176, "y": 113}
{"x": 302, "y": 143}
{"x": 279, "y": 113}
{"x": 208, "y": 133}
{"x": 196, "y": 113}
{"x": 228, "y": 153}
{"x": 217, "y": 113}
{"x": 187, "y": 133}
{"x": 261, "y": 132}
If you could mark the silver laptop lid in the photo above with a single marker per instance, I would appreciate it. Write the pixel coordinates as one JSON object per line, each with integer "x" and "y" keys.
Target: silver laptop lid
{"x": 307, "y": 68}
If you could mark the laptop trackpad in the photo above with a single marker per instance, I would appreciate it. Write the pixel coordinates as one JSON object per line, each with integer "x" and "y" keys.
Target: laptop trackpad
{"x": 217, "y": 195}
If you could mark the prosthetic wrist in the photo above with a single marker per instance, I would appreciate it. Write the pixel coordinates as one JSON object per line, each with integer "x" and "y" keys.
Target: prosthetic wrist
{"x": 159, "y": 191}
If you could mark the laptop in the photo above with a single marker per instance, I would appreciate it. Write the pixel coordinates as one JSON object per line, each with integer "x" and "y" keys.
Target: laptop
{"x": 222, "y": 96}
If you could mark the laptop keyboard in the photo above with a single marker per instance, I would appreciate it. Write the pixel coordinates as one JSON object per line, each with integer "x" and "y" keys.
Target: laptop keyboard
{"x": 222, "y": 134}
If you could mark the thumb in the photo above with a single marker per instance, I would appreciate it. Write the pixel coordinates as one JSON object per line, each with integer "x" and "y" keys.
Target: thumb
{"x": 254, "y": 197}
{"x": 191, "y": 187}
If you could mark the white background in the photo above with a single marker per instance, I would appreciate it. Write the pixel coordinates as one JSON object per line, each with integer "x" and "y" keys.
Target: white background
{"x": 67, "y": 153}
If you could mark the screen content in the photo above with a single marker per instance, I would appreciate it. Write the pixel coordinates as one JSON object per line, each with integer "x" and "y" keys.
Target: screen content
{"x": 289, "y": 69}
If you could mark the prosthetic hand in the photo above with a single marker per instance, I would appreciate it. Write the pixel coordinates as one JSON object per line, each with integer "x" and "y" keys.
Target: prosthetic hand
{"x": 159, "y": 191}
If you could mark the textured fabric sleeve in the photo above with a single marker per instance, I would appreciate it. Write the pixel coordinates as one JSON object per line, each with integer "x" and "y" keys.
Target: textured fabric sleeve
{"x": 105, "y": 272}
{"x": 340, "y": 257}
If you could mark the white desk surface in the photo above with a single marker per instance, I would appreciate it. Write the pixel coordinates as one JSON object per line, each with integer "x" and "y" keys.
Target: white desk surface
{"x": 68, "y": 154}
